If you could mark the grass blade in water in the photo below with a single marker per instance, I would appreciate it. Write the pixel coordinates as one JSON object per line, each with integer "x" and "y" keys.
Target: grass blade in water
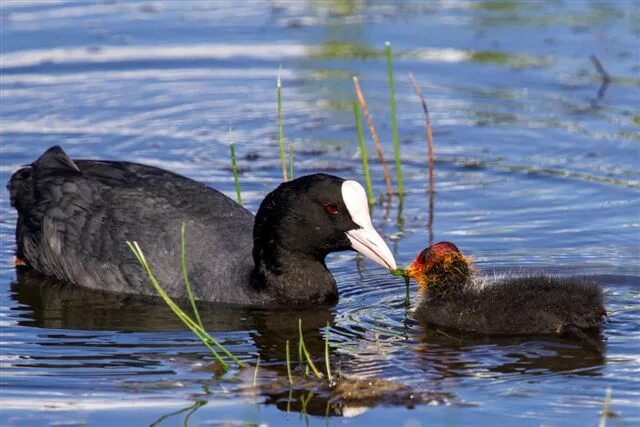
{"x": 234, "y": 167}
{"x": 281, "y": 132}
{"x": 290, "y": 161}
{"x": 394, "y": 121}
{"x": 374, "y": 135}
{"x": 288, "y": 363}
{"x": 310, "y": 363}
{"x": 363, "y": 152}
{"x": 200, "y": 333}
{"x": 185, "y": 276}
{"x": 326, "y": 352}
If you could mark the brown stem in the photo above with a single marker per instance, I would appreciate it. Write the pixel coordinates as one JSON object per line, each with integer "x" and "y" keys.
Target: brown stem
{"x": 374, "y": 135}
{"x": 431, "y": 156}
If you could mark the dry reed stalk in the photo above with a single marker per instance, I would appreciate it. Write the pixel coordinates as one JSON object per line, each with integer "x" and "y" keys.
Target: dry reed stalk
{"x": 374, "y": 135}
{"x": 431, "y": 156}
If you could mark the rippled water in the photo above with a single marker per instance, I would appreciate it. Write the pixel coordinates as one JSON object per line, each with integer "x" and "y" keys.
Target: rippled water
{"x": 537, "y": 168}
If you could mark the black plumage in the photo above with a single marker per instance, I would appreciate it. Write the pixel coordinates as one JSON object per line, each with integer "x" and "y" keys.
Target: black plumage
{"x": 75, "y": 216}
{"x": 454, "y": 295}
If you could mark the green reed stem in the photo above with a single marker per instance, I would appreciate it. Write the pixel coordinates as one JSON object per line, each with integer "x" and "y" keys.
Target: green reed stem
{"x": 290, "y": 161}
{"x": 394, "y": 121}
{"x": 198, "y": 331}
{"x": 326, "y": 352}
{"x": 363, "y": 152}
{"x": 234, "y": 167}
{"x": 605, "y": 408}
{"x": 403, "y": 273}
{"x": 288, "y": 363}
{"x": 310, "y": 363}
{"x": 255, "y": 372}
{"x": 185, "y": 276}
{"x": 283, "y": 158}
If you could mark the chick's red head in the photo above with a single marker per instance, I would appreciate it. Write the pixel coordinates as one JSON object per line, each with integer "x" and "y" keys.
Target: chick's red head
{"x": 441, "y": 265}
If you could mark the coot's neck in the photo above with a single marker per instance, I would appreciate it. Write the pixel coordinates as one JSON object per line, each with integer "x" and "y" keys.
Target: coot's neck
{"x": 291, "y": 277}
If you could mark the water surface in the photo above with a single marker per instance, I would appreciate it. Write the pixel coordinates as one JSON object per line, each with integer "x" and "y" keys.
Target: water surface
{"x": 537, "y": 169}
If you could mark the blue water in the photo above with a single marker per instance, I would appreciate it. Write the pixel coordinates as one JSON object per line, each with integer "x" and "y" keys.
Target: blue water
{"x": 537, "y": 168}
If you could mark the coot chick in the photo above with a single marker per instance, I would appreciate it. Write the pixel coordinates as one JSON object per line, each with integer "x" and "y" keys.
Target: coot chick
{"x": 454, "y": 296}
{"x": 74, "y": 217}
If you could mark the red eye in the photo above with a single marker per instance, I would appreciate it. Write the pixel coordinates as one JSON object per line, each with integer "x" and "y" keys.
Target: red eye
{"x": 331, "y": 208}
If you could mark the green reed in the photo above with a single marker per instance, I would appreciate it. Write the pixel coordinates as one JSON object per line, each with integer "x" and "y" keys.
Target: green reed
{"x": 185, "y": 276}
{"x": 288, "y": 354}
{"x": 283, "y": 158}
{"x": 363, "y": 152}
{"x": 305, "y": 352}
{"x": 403, "y": 273}
{"x": 326, "y": 352}
{"x": 197, "y": 330}
{"x": 255, "y": 372}
{"x": 290, "y": 161}
{"x": 394, "y": 121}
{"x": 605, "y": 408}
{"x": 234, "y": 167}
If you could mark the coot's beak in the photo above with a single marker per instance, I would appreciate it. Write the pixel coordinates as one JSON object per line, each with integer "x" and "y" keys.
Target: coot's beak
{"x": 368, "y": 242}
{"x": 365, "y": 239}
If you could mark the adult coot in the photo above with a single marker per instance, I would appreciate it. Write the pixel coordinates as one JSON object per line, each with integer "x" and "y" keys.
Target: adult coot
{"x": 454, "y": 296}
{"x": 74, "y": 217}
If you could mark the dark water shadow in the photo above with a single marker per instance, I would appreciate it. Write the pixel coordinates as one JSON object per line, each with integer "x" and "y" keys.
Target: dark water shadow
{"x": 500, "y": 355}
{"x": 53, "y": 304}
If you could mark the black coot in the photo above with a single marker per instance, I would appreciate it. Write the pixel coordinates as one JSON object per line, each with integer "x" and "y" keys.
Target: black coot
{"x": 74, "y": 217}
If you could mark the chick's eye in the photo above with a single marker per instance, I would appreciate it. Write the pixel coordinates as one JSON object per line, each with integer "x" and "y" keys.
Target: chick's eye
{"x": 331, "y": 208}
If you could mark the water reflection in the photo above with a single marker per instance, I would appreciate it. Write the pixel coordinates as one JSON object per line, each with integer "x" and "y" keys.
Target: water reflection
{"x": 361, "y": 348}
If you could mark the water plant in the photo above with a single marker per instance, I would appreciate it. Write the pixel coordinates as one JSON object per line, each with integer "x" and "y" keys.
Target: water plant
{"x": 374, "y": 134}
{"x": 605, "y": 408}
{"x": 288, "y": 354}
{"x": 290, "y": 161}
{"x": 326, "y": 352}
{"x": 283, "y": 159}
{"x": 185, "y": 275}
{"x": 255, "y": 372}
{"x": 234, "y": 168}
{"x": 194, "y": 326}
{"x": 405, "y": 275}
{"x": 305, "y": 352}
{"x": 427, "y": 117}
{"x": 394, "y": 120}
{"x": 363, "y": 152}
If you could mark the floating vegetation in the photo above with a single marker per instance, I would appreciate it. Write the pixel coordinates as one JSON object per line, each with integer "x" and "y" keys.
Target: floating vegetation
{"x": 345, "y": 50}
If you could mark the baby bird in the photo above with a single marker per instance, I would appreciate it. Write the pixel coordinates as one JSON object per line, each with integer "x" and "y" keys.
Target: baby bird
{"x": 454, "y": 296}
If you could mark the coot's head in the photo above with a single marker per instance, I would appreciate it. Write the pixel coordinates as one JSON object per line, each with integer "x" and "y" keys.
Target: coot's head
{"x": 314, "y": 215}
{"x": 440, "y": 267}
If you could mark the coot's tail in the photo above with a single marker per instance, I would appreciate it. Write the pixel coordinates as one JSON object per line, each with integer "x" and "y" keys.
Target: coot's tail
{"x": 23, "y": 185}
